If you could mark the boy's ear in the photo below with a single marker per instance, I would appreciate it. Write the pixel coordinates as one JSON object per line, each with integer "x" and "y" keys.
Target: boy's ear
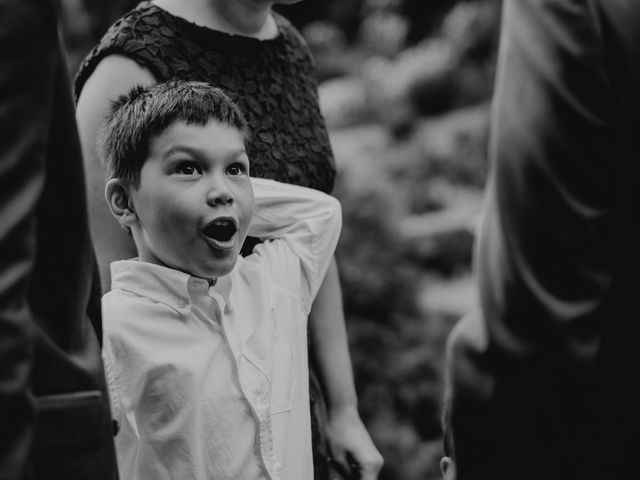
{"x": 118, "y": 198}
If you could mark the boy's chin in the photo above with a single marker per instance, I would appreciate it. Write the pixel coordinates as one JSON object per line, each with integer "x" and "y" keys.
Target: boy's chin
{"x": 216, "y": 271}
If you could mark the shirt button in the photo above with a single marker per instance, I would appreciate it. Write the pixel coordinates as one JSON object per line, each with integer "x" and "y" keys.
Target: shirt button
{"x": 182, "y": 303}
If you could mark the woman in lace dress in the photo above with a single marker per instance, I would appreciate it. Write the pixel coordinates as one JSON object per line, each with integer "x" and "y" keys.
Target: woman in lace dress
{"x": 263, "y": 63}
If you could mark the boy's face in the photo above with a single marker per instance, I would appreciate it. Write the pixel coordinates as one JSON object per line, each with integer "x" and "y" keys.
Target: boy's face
{"x": 195, "y": 200}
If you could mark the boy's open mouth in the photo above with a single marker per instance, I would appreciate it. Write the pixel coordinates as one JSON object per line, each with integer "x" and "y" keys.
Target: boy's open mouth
{"x": 221, "y": 229}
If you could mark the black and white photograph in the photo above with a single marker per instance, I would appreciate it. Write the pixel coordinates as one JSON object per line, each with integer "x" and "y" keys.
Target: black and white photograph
{"x": 319, "y": 239}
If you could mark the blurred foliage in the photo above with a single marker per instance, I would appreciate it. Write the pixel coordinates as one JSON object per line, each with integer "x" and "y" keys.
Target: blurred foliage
{"x": 424, "y": 71}
{"x": 85, "y": 21}
{"x": 450, "y": 149}
{"x": 450, "y": 69}
{"x": 431, "y": 92}
{"x": 397, "y": 359}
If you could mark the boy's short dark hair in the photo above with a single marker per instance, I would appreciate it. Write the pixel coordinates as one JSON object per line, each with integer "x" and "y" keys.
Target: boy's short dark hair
{"x": 145, "y": 112}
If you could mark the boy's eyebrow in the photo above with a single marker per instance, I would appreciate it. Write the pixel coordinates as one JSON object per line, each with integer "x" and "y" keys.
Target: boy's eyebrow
{"x": 241, "y": 153}
{"x": 199, "y": 152}
{"x": 181, "y": 149}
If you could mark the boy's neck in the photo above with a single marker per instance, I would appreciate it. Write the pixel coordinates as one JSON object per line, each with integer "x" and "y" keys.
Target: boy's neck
{"x": 250, "y": 18}
{"x": 146, "y": 256}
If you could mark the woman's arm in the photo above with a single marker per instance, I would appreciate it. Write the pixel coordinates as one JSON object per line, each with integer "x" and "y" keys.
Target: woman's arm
{"x": 328, "y": 338}
{"x": 113, "y": 76}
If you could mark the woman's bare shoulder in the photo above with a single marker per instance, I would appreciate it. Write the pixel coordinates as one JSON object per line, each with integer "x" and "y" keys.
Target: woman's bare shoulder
{"x": 113, "y": 76}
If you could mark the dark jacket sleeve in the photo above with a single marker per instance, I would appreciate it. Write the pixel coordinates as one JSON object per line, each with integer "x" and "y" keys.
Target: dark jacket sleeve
{"x": 28, "y": 56}
{"x": 544, "y": 255}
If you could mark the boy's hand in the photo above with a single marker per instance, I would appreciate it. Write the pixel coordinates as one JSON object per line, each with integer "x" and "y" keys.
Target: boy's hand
{"x": 351, "y": 446}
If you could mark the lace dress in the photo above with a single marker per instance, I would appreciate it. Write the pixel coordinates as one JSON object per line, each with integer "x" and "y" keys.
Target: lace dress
{"x": 273, "y": 81}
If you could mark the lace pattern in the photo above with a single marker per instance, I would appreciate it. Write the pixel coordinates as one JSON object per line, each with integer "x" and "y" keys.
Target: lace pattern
{"x": 273, "y": 81}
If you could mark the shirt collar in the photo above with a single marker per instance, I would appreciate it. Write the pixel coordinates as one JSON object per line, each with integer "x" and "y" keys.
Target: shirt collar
{"x": 167, "y": 285}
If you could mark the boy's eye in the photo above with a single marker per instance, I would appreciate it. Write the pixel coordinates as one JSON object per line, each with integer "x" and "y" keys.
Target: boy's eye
{"x": 189, "y": 168}
{"x": 236, "y": 169}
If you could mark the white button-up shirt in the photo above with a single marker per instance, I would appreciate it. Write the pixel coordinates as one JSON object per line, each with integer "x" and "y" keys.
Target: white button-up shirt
{"x": 212, "y": 382}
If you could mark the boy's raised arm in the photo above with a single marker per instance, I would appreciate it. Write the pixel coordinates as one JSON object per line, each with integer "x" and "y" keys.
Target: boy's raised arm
{"x": 308, "y": 221}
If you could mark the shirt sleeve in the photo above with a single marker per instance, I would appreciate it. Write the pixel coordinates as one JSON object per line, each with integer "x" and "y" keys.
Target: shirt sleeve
{"x": 299, "y": 224}
{"x": 114, "y": 394}
{"x": 544, "y": 260}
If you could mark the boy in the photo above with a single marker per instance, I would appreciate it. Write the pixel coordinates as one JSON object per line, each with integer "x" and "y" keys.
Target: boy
{"x": 206, "y": 351}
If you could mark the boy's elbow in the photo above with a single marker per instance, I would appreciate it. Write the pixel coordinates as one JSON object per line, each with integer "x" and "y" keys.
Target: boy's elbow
{"x": 335, "y": 212}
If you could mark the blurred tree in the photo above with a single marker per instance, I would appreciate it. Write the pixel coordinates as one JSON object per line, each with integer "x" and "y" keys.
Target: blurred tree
{"x": 85, "y": 21}
{"x": 104, "y": 13}
{"x": 425, "y": 16}
{"x": 305, "y": 12}
{"x": 397, "y": 351}
{"x": 345, "y": 14}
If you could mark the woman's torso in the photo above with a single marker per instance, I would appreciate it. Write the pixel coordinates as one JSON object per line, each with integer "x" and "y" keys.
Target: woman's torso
{"x": 273, "y": 81}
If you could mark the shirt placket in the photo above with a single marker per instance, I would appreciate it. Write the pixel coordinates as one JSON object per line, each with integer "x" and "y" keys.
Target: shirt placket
{"x": 256, "y": 398}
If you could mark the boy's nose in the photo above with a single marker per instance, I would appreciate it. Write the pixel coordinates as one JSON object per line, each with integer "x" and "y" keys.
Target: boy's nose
{"x": 219, "y": 195}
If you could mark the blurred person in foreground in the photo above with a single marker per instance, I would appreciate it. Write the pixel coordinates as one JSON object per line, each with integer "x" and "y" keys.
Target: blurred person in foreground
{"x": 263, "y": 63}
{"x": 542, "y": 380}
{"x": 54, "y": 410}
